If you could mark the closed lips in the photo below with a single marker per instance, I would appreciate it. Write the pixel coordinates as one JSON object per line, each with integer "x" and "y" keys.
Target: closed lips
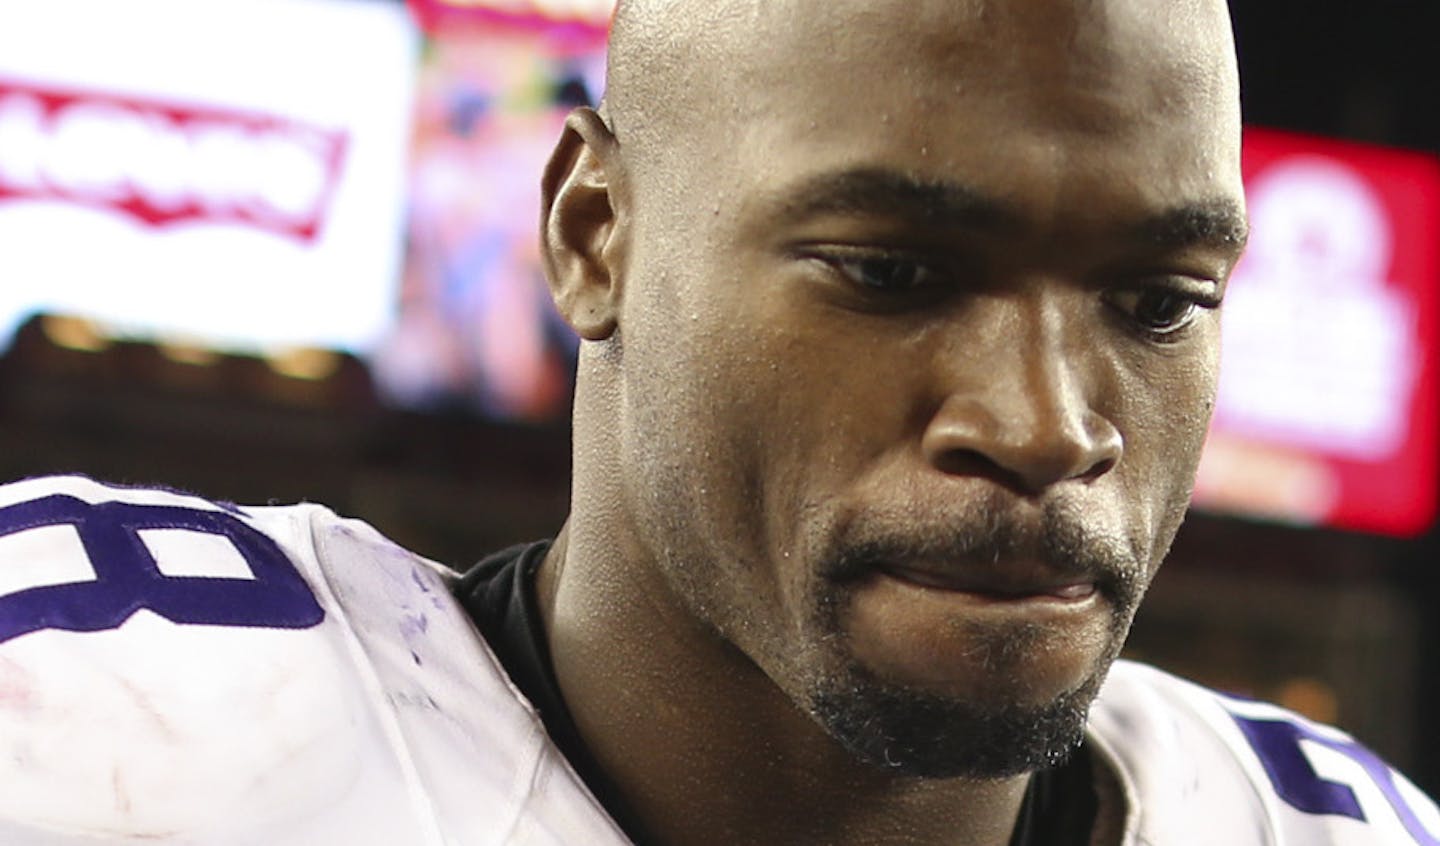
{"x": 1008, "y": 586}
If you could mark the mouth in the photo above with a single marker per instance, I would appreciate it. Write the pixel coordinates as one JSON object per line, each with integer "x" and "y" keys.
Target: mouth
{"x": 958, "y": 626}
{"x": 1025, "y": 581}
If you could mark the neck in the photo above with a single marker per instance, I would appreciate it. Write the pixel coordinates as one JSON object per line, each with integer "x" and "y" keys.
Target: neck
{"x": 702, "y": 746}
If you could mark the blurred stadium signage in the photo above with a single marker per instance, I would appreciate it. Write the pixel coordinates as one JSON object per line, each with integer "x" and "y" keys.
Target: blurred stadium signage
{"x": 228, "y": 173}
{"x": 1327, "y": 404}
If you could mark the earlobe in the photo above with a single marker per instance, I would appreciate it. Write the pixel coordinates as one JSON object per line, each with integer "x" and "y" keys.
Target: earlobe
{"x": 579, "y": 231}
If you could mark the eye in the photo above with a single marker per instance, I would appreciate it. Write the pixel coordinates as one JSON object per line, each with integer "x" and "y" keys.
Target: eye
{"x": 885, "y": 273}
{"x": 1159, "y": 310}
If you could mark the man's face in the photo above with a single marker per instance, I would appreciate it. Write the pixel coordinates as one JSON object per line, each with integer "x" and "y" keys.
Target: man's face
{"x": 919, "y": 345}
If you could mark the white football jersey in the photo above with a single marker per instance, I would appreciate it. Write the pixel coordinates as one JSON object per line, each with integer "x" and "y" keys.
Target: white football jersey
{"x": 186, "y": 672}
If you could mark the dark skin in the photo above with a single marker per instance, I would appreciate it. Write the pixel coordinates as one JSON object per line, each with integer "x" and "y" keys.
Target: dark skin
{"x": 900, "y": 341}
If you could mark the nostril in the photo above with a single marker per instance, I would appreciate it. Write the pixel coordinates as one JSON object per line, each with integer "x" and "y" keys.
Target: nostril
{"x": 1098, "y": 469}
{"x": 965, "y": 462}
{"x": 1026, "y": 472}
{"x": 976, "y": 464}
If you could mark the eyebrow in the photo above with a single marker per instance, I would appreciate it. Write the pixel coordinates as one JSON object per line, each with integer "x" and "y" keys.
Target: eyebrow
{"x": 875, "y": 191}
{"x": 1218, "y": 223}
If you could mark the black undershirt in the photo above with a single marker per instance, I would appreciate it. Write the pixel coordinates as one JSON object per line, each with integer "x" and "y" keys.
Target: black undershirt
{"x": 499, "y": 594}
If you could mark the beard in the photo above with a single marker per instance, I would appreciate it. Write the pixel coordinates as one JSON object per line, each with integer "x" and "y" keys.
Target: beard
{"x": 914, "y": 733}
{"x": 1000, "y": 729}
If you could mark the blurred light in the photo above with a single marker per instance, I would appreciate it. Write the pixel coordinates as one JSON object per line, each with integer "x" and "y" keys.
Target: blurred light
{"x": 309, "y": 364}
{"x": 1311, "y": 697}
{"x": 188, "y": 353}
{"x": 73, "y": 333}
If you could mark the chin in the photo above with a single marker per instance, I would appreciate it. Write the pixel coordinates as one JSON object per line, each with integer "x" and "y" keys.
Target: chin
{"x": 926, "y": 736}
{"x": 1012, "y": 725}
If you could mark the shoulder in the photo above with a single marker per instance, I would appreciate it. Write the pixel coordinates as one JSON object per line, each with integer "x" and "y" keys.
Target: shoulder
{"x": 1200, "y": 767}
{"x": 184, "y": 670}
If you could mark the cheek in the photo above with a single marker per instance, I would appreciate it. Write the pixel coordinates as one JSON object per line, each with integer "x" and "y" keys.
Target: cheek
{"x": 1186, "y": 396}
{"x": 710, "y": 429}
{"x": 1165, "y": 413}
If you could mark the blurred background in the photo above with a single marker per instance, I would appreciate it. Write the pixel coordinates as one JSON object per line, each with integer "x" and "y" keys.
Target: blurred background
{"x": 284, "y": 250}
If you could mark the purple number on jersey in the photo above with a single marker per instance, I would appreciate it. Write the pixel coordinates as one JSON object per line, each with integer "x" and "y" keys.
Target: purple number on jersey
{"x": 128, "y": 579}
{"x": 1277, "y": 743}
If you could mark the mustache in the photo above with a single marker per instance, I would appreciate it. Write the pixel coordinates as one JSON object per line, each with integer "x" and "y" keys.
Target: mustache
{"x": 983, "y": 537}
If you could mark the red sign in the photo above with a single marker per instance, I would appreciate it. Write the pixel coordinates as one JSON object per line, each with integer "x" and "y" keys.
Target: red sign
{"x": 583, "y": 23}
{"x": 1327, "y": 405}
{"x": 163, "y": 163}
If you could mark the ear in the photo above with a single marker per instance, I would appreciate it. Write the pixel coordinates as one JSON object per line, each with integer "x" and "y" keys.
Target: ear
{"x": 579, "y": 225}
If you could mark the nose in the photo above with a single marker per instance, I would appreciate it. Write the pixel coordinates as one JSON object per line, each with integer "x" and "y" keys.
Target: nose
{"x": 1022, "y": 415}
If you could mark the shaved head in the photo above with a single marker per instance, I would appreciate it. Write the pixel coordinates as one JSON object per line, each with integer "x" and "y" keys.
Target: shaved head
{"x": 682, "y": 70}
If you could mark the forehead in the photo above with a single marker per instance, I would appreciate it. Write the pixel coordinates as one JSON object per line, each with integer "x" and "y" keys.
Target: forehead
{"x": 1150, "y": 53}
{"x": 1030, "y": 100}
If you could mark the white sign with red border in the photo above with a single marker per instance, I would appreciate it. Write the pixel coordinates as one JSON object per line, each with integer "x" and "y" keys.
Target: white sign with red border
{"x": 228, "y": 171}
